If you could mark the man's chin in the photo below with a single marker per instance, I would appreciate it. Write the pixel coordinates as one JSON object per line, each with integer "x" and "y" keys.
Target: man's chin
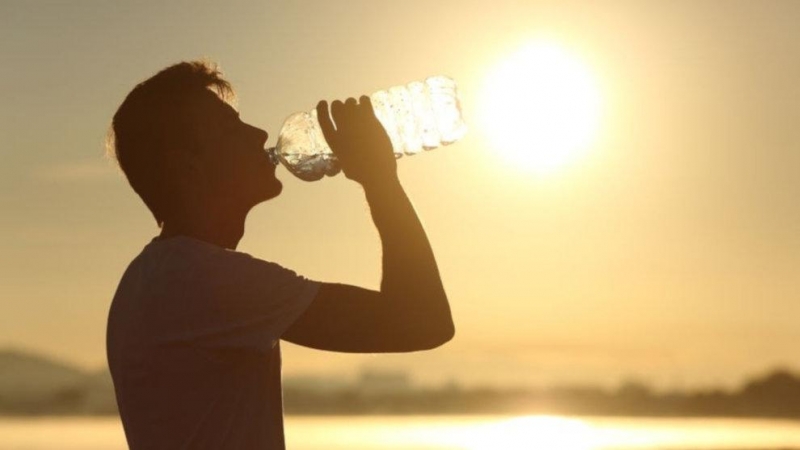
{"x": 275, "y": 189}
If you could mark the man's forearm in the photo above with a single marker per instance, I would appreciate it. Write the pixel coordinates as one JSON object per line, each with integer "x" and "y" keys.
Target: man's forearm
{"x": 410, "y": 273}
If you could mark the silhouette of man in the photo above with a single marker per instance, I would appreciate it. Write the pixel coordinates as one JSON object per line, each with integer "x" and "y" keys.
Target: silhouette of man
{"x": 194, "y": 329}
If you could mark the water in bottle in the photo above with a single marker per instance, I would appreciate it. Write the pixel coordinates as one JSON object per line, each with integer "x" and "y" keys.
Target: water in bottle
{"x": 418, "y": 116}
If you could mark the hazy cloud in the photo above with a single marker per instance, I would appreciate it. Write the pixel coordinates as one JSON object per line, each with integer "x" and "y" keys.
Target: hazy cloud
{"x": 571, "y": 351}
{"x": 98, "y": 169}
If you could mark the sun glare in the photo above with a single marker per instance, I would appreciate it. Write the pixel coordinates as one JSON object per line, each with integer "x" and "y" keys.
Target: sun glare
{"x": 533, "y": 432}
{"x": 540, "y": 107}
{"x": 517, "y": 433}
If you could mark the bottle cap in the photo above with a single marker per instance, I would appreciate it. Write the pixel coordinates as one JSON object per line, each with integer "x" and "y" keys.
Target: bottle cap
{"x": 273, "y": 155}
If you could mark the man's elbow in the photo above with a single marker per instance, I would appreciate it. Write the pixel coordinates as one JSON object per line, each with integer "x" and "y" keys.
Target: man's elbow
{"x": 440, "y": 336}
{"x": 448, "y": 335}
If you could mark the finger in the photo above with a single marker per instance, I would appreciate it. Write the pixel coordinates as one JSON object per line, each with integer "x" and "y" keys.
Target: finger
{"x": 351, "y": 108}
{"x": 337, "y": 112}
{"x": 325, "y": 123}
{"x": 366, "y": 106}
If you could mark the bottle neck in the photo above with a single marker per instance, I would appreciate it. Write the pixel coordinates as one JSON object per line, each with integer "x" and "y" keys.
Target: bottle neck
{"x": 272, "y": 153}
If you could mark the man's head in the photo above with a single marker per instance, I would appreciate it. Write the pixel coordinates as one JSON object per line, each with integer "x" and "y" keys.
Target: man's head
{"x": 182, "y": 145}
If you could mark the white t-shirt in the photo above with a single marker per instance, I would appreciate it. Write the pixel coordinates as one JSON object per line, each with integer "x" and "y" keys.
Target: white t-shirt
{"x": 193, "y": 346}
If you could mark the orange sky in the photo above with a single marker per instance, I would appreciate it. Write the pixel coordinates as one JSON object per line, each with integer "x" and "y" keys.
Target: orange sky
{"x": 670, "y": 251}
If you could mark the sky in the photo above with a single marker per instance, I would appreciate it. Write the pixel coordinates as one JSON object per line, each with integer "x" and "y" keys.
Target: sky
{"x": 668, "y": 252}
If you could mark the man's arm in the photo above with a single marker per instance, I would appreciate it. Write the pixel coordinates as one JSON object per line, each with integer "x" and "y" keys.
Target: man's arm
{"x": 411, "y": 311}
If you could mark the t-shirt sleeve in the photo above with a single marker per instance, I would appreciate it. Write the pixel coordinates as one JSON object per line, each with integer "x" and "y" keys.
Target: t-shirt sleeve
{"x": 244, "y": 303}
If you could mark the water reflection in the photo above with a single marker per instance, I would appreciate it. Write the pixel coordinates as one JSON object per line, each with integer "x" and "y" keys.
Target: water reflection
{"x": 564, "y": 433}
{"x": 518, "y": 433}
{"x": 446, "y": 433}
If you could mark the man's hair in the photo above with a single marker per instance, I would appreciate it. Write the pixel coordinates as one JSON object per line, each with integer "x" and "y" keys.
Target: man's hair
{"x": 153, "y": 120}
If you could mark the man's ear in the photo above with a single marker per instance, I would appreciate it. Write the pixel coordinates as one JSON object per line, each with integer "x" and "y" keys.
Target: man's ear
{"x": 194, "y": 165}
{"x": 184, "y": 168}
{"x": 196, "y": 171}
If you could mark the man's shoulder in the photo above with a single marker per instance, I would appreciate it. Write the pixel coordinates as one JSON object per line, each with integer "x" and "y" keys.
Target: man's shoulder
{"x": 196, "y": 264}
{"x": 183, "y": 250}
{"x": 180, "y": 247}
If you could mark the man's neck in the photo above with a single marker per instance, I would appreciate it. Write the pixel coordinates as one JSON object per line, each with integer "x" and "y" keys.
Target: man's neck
{"x": 224, "y": 230}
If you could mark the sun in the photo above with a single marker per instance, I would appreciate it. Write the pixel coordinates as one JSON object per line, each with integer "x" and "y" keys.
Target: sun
{"x": 540, "y": 107}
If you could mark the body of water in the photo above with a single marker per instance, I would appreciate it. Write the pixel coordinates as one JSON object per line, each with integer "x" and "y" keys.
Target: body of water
{"x": 446, "y": 433}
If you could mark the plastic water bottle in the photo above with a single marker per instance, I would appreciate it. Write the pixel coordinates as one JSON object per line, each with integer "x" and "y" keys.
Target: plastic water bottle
{"x": 421, "y": 115}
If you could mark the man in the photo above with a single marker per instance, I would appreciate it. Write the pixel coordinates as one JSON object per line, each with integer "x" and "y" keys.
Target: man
{"x": 194, "y": 329}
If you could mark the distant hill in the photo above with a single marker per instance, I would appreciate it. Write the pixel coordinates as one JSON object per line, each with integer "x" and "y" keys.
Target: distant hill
{"x": 23, "y": 374}
{"x": 36, "y": 385}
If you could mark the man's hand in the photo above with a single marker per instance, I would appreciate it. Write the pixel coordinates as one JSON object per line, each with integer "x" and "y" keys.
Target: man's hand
{"x": 359, "y": 141}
